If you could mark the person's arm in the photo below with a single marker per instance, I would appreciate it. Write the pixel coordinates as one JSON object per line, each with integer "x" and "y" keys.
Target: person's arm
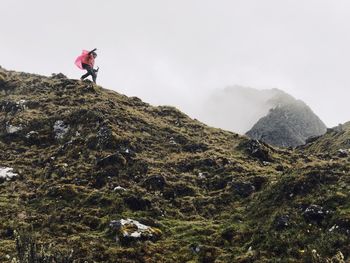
{"x": 92, "y": 51}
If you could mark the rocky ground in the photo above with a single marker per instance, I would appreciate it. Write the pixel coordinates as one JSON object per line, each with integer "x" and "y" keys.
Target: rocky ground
{"x": 108, "y": 178}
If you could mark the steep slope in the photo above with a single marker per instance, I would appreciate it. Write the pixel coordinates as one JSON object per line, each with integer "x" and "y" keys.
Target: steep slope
{"x": 288, "y": 124}
{"x": 118, "y": 180}
{"x": 336, "y": 141}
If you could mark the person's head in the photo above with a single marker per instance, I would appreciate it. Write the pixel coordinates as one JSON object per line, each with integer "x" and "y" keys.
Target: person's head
{"x": 94, "y": 54}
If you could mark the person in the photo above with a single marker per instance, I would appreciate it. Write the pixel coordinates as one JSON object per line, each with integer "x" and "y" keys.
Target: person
{"x": 86, "y": 61}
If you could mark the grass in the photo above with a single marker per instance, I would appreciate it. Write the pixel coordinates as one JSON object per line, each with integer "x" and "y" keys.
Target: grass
{"x": 215, "y": 201}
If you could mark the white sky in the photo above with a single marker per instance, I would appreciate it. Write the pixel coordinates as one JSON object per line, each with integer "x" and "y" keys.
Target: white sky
{"x": 178, "y": 51}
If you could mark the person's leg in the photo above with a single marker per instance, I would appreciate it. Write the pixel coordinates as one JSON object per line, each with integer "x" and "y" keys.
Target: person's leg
{"x": 93, "y": 74}
{"x": 90, "y": 71}
{"x": 85, "y": 76}
{"x": 86, "y": 67}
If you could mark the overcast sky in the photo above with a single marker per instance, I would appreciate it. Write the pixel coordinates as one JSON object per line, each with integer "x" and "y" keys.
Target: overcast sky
{"x": 176, "y": 52}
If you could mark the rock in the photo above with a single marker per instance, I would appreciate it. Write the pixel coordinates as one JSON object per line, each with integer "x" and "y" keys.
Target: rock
{"x": 342, "y": 226}
{"x": 137, "y": 203}
{"x": 6, "y": 174}
{"x": 343, "y": 153}
{"x": 114, "y": 159}
{"x": 129, "y": 230}
{"x": 119, "y": 189}
{"x": 315, "y": 213}
{"x": 32, "y": 137}
{"x": 58, "y": 76}
{"x": 338, "y": 258}
{"x": 60, "y": 129}
{"x": 195, "y": 248}
{"x": 288, "y": 124}
{"x": 218, "y": 182}
{"x": 243, "y": 189}
{"x": 10, "y": 129}
{"x": 257, "y": 150}
{"x": 154, "y": 183}
{"x": 281, "y": 222}
{"x": 106, "y": 139}
{"x": 13, "y": 107}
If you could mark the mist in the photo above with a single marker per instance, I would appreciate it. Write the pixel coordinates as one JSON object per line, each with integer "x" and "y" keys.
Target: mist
{"x": 180, "y": 52}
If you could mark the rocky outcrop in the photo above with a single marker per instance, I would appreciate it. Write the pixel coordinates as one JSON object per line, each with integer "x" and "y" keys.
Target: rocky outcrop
{"x": 129, "y": 230}
{"x": 288, "y": 125}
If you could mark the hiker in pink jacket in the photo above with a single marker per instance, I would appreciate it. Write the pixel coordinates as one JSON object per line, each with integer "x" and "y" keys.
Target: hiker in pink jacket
{"x": 86, "y": 61}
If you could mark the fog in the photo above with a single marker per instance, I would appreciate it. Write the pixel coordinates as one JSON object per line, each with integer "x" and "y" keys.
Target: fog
{"x": 238, "y": 108}
{"x": 180, "y": 52}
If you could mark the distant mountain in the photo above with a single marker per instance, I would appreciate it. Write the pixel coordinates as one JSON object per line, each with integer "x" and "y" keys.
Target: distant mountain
{"x": 237, "y": 108}
{"x": 270, "y": 115}
{"x": 290, "y": 123}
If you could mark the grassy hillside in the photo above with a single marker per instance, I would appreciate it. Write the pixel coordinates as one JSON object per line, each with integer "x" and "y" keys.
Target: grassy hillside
{"x": 84, "y": 157}
{"x": 336, "y": 142}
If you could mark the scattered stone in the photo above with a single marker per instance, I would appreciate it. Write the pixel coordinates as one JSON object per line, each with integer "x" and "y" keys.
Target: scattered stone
{"x": 334, "y": 227}
{"x": 342, "y": 153}
{"x": 257, "y": 150}
{"x": 113, "y": 159}
{"x": 281, "y": 222}
{"x": 154, "y": 182}
{"x": 60, "y": 129}
{"x": 10, "y": 129}
{"x": 244, "y": 189}
{"x": 106, "y": 139}
{"x": 129, "y": 230}
{"x": 118, "y": 189}
{"x": 195, "y": 248}
{"x": 202, "y": 175}
{"x": 172, "y": 141}
{"x": 13, "y": 107}
{"x": 32, "y": 135}
{"x": 6, "y": 174}
{"x": 315, "y": 213}
{"x": 58, "y": 76}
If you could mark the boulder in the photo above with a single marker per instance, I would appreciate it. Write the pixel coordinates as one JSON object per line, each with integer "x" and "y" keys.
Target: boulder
{"x": 243, "y": 189}
{"x": 129, "y": 230}
{"x": 343, "y": 153}
{"x": 60, "y": 129}
{"x": 281, "y": 222}
{"x": 155, "y": 183}
{"x": 257, "y": 149}
{"x": 7, "y": 174}
{"x": 315, "y": 213}
{"x": 115, "y": 159}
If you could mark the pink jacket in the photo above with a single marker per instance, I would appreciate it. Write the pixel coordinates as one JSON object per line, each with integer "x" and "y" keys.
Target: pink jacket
{"x": 85, "y": 58}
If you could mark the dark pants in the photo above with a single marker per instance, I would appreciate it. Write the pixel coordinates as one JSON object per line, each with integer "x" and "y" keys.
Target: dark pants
{"x": 90, "y": 71}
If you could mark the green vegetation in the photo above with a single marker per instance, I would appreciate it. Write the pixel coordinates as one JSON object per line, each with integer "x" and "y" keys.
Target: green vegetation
{"x": 86, "y": 157}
